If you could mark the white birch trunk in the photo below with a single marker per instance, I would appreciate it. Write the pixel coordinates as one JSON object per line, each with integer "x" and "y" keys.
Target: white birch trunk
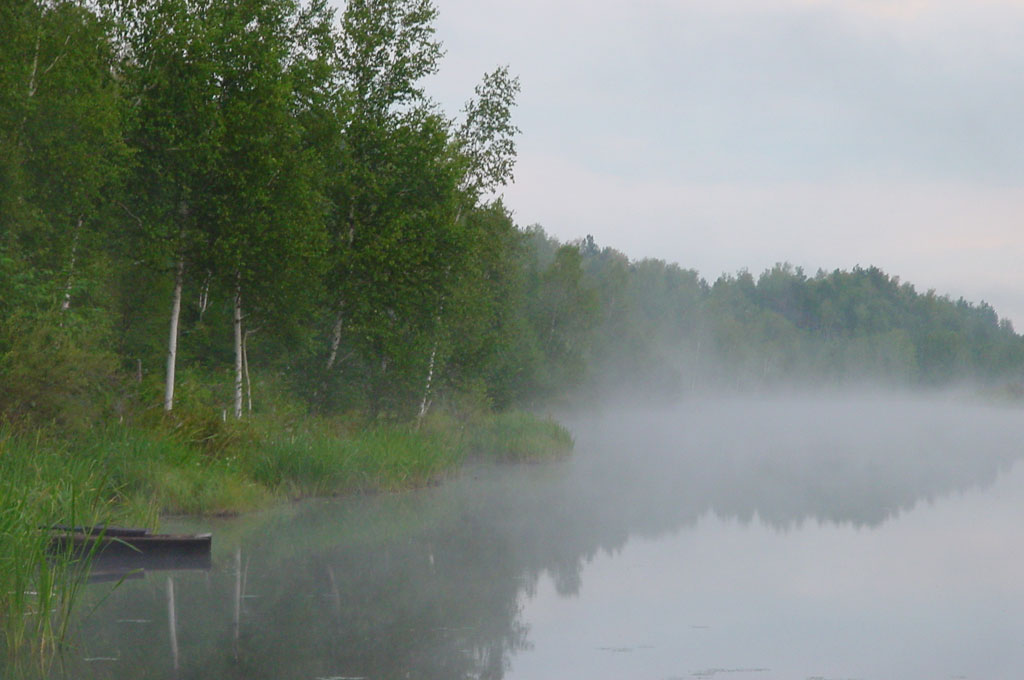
{"x": 238, "y": 350}
{"x": 204, "y": 297}
{"x": 31, "y": 81}
{"x": 35, "y": 66}
{"x": 245, "y": 365}
{"x": 65, "y": 305}
{"x": 335, "y": 340}
{"x": 425, "y": 404}
{"x": 172, "y": 340}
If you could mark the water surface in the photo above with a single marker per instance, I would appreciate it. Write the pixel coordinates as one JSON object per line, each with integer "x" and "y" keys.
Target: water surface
{"x": 804, "y": 537}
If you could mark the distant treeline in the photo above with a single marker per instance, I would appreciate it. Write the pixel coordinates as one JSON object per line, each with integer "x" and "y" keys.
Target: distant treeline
{"x": 661, "y": 325}
{"x": 240, "y": 206}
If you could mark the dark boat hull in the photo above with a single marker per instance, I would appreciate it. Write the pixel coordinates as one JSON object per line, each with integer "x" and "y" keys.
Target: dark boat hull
{"x": 148, "y": 551}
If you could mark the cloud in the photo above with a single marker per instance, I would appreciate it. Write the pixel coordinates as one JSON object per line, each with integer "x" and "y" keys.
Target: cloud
{"x": 960, "y": 239}
{"x": 765, "y": 89}
{"x": 738, "y": 133}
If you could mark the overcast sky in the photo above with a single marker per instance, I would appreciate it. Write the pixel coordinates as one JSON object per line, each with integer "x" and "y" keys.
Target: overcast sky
{"x": 729, "y": 134}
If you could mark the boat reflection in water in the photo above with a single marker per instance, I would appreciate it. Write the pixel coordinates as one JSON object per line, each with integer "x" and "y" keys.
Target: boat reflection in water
{"x": 117, "y": 553}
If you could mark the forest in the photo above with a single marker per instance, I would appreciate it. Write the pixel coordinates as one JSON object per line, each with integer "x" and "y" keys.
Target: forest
{"x": 245, "y": 256}
{"x": 254, "y": 211}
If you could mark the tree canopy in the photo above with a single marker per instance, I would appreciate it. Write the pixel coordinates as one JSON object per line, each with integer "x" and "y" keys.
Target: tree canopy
{"x": 263, "y": 193}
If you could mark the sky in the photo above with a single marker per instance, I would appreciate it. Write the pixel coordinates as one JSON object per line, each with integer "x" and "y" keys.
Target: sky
{"x": 734, "y": 134}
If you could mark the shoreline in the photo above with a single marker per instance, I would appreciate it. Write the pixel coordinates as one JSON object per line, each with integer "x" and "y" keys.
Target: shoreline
{"x": 131, "y": 475}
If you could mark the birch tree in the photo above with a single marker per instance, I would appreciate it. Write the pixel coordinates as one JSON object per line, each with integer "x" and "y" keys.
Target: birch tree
{"x": 486, "y": 139}
{"x": 268, "y": 224}
{"x": 484, "y": 337}
{"x": 484, "y": 150}
{"x": 168, "y": 60}
{"x": 61, "y": 157}
{"x": 60, "y": 134}
{"x": 390, "y": 178}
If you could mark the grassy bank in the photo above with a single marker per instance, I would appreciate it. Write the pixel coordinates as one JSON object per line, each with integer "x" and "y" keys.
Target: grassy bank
{"x": 131, "y": 474}
{"x": 42, "y": 483}
{"x": 519, "y": 437}
{"x": 235, "y": 467}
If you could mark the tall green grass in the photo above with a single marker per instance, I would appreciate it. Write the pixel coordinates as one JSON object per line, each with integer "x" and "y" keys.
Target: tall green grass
{"x": 380, "y": 459}
{"x": 159, "y": 473}
{"x": 517, "y": 436}
{"x": 42, "y": 484}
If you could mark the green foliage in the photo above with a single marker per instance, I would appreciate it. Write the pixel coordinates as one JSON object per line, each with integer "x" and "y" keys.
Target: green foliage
{"x": 295, "y": 164}
{"x": 486, "y": 138}
{"x": 63, "y": 153}
{"x": 387, "y": 48}
{"x": 485, "y": 329}
{"x": 520, "y": 437}
{"x": 665, "y": 328}
{"x": 563, "y": 310}
{"x": 56, "y": 375}
{"x": 397, "y": 263}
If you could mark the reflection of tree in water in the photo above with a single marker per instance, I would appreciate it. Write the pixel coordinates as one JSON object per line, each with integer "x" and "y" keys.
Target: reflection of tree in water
{"x": 433, "y": 604}
{"x": 853, "y": 461}
{"x": 840, "y": 461}
{"x": 382, "y": 587}
{"x": 430, "y": 584}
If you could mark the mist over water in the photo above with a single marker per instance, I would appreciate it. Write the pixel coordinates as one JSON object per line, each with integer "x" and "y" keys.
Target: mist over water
{"x": 857, "y": 458}
{"x": 830, "y": 536}
{"x": 821, "y": 535}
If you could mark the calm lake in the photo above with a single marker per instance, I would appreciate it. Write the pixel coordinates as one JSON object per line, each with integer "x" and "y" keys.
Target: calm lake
{"x": 803, "y": 537}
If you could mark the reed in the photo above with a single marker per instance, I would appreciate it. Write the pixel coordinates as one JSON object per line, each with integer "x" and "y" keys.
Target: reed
{"x": 158, "y": 473}
{"x": 41, "y": 484}
{"x": 518, "y": 436}
{"x": 384, "y": 458}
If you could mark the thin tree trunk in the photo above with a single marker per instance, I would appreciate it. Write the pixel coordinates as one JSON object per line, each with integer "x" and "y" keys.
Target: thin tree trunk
{"x": 31, "y": 84}
{"x": 245, "y": 365}
{"x": 33, "y": 80}
{"x": 335, "y": 340}
{"x": 65, "y": 305}
{"x": 204, "y": 296}
{"x": 172, "y": 623}
{"x": 238, "y": 349}
{"x": 425, "y": 403}
{"x": 172, "y": 340}
{"x": 35, "y": 65}
{"x": 239, "y": 589}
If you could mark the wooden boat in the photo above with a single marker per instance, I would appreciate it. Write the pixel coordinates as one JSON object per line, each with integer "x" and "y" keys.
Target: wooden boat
{"x": 138, "y": 548}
